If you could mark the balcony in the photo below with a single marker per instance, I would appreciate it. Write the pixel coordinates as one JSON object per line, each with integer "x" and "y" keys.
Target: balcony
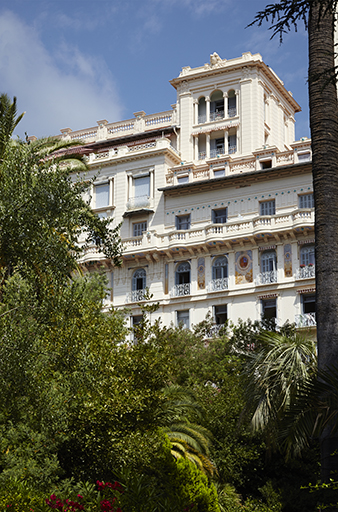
{"x": 267, "y": 277}
{"x": 306, "y": 272}
{"x": 135, "y": 203}
{"x": 136, "y": 295}
{"x": 215, "y": 116}
{"x": 202, "y": 118}
{"x": 216, "y": 285}
{"x": 217, "y": 151}
{"x": 180, "y": 290}
{"x": 232, "y": 112}
{"x": 232, "y": 150}
{"x": 306, "y": 320}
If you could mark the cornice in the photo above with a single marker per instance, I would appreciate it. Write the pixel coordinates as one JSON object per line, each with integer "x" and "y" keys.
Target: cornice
{"x": 238, "y": 179}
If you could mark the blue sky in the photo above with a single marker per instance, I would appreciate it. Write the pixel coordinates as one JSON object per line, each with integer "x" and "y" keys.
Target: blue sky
{"x": 73, "y": 62}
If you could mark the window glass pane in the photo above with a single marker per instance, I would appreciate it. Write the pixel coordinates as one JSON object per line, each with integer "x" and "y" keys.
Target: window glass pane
{"x": 183, "y": 318}
{"x": 309, "y": 304}
{"x": 267, "y": 207}
{"x": 142, "y": 186}
{"x": 269, "y": 308}
{"x": 139, "y": 228}
{"x": 219, "y": 216}
{"x": 139, "y": 280}
{"x": 183, "y": 222}
{"x": 306, "y": 201}
{"x": 221, "y": 314}
{"x": 268, "y": 261}
{"x": 307, "y": 255}
{"x": 183, "y": 179}
{"x": 101, "y": 195}
{"x": 220, "y": 268}
{"x": 304, "y": 157}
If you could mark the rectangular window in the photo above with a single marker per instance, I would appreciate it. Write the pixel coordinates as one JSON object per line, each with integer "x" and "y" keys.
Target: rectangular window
{"x": 269, "y": 309}
{"x": 101, "y": 195}
{"x": 183, "y": 318}
{"x": 232, "y": 144}
{"x": 309, "y": 304}
{"x": 135, "y": 322}
{"x": 219, "y": 173}
{"x": 183, "y": 222}
{"x": 183, "y": 179}
{"x": 221, "y": 314}
{"x": 139, "y": 228}
{"x": 142, "y": 186}
{"x": 219, "y": 216}
{"x": 266, "y": 164}
{"x": 306, "y": 201}
{"x": 267, "y": 207}
{"x": 304, "y": 157}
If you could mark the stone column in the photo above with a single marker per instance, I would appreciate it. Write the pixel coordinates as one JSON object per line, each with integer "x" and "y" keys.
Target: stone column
{"x": 207, "y": 146}
{"x": 195, "y": 103}
{"x": 207, "y": 108}
{"x": 225, "y": 96}
{"x": 196, "y": 147}
{"x": 226, "y": 142}
{"x": 237, "y": 102}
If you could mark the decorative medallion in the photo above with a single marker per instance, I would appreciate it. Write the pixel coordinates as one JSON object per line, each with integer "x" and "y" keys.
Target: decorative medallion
{"x": 243, "y": 267}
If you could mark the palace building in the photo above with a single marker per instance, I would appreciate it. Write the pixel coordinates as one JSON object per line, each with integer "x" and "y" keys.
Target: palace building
{"x": 215, "y": 199}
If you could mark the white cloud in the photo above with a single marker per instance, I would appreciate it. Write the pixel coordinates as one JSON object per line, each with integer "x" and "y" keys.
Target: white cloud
{"x": 64, "y": 89}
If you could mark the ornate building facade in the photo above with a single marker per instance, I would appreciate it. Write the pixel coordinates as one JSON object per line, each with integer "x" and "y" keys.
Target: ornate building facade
{"x": 215, "y": 199}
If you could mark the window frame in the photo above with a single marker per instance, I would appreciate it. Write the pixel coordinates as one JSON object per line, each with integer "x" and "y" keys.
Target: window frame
{"x": 142, "y": 224}
{"x": 265, "y": 307}
{"x": 136, "y": 280}
{"x": 218, "y": 314}
{"x": 272, "y": 203}
{"x": 179, "y": 221}
{"x": 215, "y": 216}
{"x": 105, "y": 183}
{"x": 306, "y": 198}
{"x": 186, "y": 325}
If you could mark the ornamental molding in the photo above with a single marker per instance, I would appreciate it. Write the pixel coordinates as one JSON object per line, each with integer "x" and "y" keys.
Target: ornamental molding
{"x": 303, "y": 242}
{"x": 268, "y": 296}
{"x": 267, "y": 248}
{"x": 210, "y": 129}
{"x": 307, "y": 290}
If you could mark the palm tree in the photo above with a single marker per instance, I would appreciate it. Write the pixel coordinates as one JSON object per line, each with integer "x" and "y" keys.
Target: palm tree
{"x": 188, "y": 438}
{"x": 319, "y": 17}
{"x": 8, "y": 121}
{"x": 273, "y": 375}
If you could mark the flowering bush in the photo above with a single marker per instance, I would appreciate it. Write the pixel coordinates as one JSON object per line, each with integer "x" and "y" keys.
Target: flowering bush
{"x": 105, "y": 490}
{"x": 65, "y": 506}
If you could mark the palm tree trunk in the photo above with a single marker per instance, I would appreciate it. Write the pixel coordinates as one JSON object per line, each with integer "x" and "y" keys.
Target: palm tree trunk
{"x": 324, "y": 134}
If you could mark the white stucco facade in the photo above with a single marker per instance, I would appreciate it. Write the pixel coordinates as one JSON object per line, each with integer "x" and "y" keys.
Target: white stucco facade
{"x": 215, "y": 199}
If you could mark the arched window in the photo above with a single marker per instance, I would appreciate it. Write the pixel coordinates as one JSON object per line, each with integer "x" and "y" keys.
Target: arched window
{"x": 232, "y": 107}
{"x": 216, "y": 106}
{"x": 268, "y": 268}
{"x": 182, "y": 275}
{"x": 139, "y": 280}
{"x": 268, "y": 261}
{"x": 219, "y": 279}
{"x": 182, "y": 279}
{"x": 202, "y": 111}
{"x": 307, "y": 255}
{"x": 220, "y": 268}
